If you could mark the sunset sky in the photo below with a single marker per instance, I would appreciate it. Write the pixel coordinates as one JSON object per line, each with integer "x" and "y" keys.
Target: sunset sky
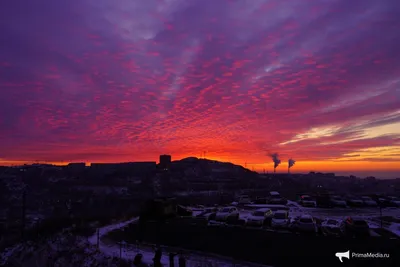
{"x": 126, "y": 80}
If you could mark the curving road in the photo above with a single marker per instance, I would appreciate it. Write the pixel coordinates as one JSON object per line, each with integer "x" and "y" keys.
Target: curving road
{"x": 129, "y": 251}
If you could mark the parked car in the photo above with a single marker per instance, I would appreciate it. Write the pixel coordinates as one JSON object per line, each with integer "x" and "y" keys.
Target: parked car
{"x": 355, "y": 227}
{"x": 307, "y": 201}
{"x": 278, "y": 201}
{"x": 369, "y": 201}
{"x": 280, "y": 219}
{"x": 208, "y": 213}
{"x": 382, "y": 201}
{"x": 385, "y": 202}
{"x": 244, "y": 199}
{"x": 305, "y": 223}
{"x": 274, "y": 194}
{"x": 394, "y": 201}
{"x": 226, "y": 212}
{"x": 198, "y": 208}
{"x": 276, "y": 198}
{"x": 260, "y": 217}
{"x": 331, "y": 227}
{"x": 354, "y": 202}
{"x": 337, "y": 201}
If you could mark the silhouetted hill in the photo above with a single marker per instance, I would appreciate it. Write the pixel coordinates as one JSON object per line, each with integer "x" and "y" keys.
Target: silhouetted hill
{"x": 196, "y": 167}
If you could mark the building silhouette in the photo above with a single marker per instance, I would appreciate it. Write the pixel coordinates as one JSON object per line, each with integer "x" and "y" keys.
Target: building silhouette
{"x": 165, "y": 162}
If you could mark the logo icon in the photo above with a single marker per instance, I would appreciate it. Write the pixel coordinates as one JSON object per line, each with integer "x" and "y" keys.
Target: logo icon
{"x": 342, "y": 255}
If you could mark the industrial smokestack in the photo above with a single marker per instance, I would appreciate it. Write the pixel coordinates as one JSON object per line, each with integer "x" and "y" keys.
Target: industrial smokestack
{"x": 291, "y": 162}
{"x": 276, "y": 160}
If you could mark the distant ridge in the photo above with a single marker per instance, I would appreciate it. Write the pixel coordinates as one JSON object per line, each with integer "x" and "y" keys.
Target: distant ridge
{"x": 213, "y": 166}
{"x": 187, "y": 159}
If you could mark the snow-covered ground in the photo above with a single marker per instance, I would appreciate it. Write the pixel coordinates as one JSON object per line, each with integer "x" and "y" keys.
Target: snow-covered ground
{"x": 108, "y": 228}
{"x": 128, "y": 251}
{"x": 63, "y": 249}
{"x": 395, "y": 228}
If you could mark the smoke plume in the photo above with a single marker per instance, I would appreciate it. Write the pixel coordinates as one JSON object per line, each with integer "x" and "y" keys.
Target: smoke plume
{"x": 275, "y": 159}
{"x": 291, "y": 162}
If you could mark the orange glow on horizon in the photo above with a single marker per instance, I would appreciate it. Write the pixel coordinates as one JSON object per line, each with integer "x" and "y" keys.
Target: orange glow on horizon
{"x": 299, "y": 167}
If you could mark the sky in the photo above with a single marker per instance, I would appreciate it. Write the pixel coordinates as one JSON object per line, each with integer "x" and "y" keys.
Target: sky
{"x": 234, "y": 80}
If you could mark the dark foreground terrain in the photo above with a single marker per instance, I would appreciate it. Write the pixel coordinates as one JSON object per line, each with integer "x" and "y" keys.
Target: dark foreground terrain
{"x": 269, "y": 248}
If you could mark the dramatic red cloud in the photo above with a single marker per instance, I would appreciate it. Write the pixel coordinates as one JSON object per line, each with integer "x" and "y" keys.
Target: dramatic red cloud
{"x": 124, "y": 80}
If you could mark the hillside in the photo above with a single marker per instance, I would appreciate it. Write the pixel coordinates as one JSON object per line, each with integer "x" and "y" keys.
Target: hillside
{"x": 195, "y": 167}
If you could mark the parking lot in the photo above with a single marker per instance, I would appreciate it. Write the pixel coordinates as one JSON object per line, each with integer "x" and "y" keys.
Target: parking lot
{"x": 370, "y": 214}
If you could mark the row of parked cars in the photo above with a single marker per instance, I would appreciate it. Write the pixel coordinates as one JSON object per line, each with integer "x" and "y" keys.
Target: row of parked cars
{"x": 279, "y": 219}
{"x": 324, "y": 200}
{"x": 349, "y": 201}
{"x": 351, "y": 226}
{"x": 273, "y": 197}
{"x": 259, "y": 217}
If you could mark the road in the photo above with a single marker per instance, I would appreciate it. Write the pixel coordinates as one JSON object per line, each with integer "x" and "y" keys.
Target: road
{"x": 128, "y": 251}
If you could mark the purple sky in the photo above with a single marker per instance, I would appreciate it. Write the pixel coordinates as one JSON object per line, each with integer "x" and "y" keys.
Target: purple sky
{"x": 119, "y": 80}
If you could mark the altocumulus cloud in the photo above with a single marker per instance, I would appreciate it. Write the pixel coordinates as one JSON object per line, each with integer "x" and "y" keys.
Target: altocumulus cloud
{"x": 119, "y": 80}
